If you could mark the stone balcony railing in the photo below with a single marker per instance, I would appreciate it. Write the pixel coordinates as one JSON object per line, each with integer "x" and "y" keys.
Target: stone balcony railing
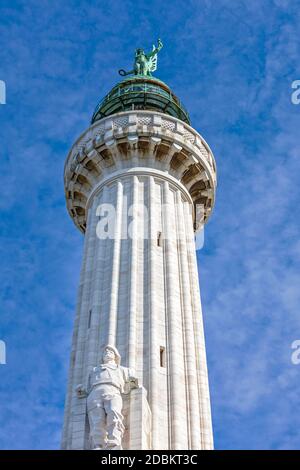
{"x": 138, "y": 138}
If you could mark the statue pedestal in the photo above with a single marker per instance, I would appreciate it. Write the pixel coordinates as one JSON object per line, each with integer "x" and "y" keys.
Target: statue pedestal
{"x": 137, "y": 420}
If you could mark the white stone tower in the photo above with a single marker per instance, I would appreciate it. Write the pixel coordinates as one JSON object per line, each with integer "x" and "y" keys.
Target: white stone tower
{"x": 141, "y": 292}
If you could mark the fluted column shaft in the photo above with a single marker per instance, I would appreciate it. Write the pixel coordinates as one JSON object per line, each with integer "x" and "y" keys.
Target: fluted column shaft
{"x": 130, "y": 285}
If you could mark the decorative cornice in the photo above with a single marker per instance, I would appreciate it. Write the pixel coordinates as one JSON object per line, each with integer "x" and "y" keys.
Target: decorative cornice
{"x": 138, "y": 139}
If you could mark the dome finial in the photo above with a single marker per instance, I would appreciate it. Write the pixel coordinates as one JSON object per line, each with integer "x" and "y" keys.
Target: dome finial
{"x": 144, "y": 63}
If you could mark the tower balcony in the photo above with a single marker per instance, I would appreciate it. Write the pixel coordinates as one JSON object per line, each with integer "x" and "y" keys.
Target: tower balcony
{"x": 139, "y": 141}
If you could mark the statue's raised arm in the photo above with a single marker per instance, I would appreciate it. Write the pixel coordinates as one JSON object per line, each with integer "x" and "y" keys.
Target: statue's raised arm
{"x": 155, "y": 50}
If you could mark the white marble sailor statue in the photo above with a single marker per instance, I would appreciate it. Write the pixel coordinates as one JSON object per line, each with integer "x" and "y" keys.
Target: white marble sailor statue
{"x": 105, "y": 383}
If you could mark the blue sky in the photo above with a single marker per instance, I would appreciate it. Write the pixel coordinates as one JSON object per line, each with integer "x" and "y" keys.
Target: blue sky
{"x": 232, "y": 65}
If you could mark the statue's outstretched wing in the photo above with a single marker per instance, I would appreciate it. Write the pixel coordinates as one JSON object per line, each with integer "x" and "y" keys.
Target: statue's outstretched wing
{"x": 153, "y": 61}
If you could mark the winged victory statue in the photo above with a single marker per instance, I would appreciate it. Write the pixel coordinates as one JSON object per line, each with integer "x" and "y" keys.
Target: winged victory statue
{"x": 144, "y": 63}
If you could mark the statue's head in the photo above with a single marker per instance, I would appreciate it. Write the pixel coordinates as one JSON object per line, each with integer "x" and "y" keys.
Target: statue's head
{"x": 111, "y": 354}
{"x": 139, "y": 52}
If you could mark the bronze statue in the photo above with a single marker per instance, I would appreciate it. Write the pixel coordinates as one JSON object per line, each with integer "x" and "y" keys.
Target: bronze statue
{"x": 144, "y": 63}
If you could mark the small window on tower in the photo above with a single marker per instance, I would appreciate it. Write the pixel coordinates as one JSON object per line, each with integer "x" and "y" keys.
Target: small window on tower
{"x": 159, "y": 239}
{"x": 90, "y": 317}
{"x": 162, "y": 356}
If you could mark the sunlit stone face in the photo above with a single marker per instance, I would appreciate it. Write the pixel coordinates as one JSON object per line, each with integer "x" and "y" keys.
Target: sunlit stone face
{"x": 109, "y": 356}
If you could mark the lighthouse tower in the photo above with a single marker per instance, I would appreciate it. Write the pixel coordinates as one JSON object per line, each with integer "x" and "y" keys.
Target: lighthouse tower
{"x": 139, "y": 181}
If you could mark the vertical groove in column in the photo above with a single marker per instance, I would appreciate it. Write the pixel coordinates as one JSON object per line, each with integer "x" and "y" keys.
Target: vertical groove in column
{"x": 176, "y": 364}
{"x": 143, "y": 313}
{"x": 154, "y": 347}
{"x": 67, "y": 413}
{"x": 78, "y": 367}
{"x": 112, "y": 325}
{"x": 166, "y": 317}
{"x": 185, "y": 415}
{"x": 190, "y": 350}
{"x": 97, "y": 290}
{"x": 106, "y": 284}
{"x": 202, "y": 375}
{"x": 123, "y": 304}
{"x": 132, "y": 340}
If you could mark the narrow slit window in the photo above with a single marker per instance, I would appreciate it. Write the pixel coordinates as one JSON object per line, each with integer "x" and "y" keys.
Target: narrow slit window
{"x": 162, "y": 356}
{"x": 159, "y": 239}
{"x": 90, "y": 317}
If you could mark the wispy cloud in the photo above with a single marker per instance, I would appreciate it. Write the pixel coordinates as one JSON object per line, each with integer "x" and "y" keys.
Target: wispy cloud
{"x": 233, "y": 72}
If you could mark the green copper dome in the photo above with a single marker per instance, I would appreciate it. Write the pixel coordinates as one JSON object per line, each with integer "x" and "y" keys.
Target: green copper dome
{"x": 140, "y": 92}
